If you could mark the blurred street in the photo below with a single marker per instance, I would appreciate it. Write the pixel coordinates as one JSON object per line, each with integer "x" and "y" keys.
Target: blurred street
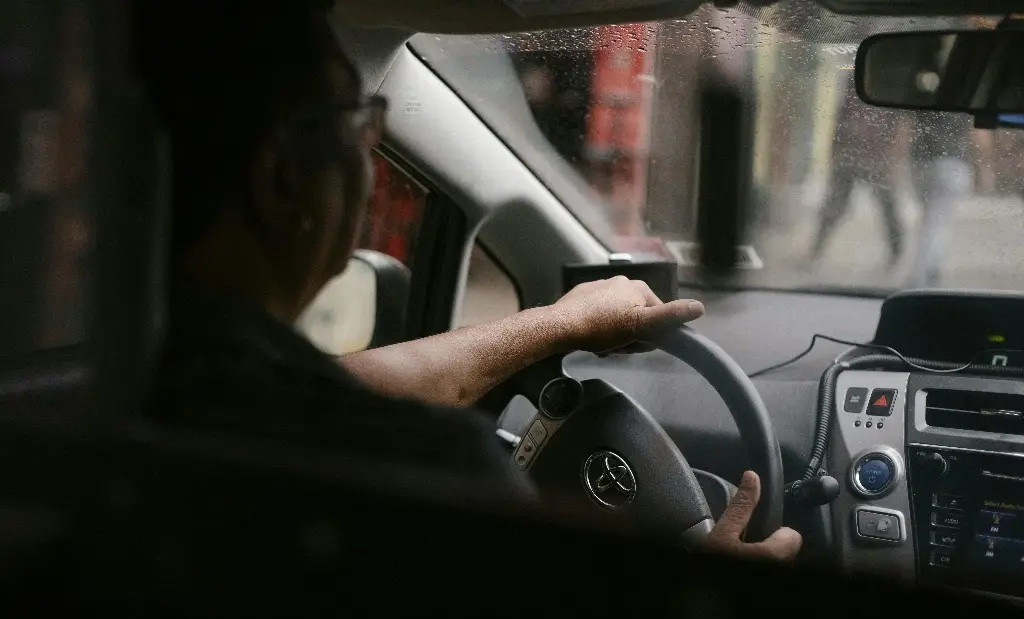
{"x": 625, "y": 110}
{"x": 987, "y": 246}
{"x": 986, "y": 250}
{"x": 624, "y": 106}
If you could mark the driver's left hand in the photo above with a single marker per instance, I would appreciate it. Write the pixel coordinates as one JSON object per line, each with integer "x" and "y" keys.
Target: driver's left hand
{"x": 727, "y": 536}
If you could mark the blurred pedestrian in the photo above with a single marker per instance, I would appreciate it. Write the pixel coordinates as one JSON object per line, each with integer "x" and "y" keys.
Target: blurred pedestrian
{"x": 862, "y": 152}
{"x": 945, "y": 152}
{"x": 940, "y": 150}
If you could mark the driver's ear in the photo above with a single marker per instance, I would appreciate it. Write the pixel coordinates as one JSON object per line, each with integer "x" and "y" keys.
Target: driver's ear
{"x": 274, "y": 181}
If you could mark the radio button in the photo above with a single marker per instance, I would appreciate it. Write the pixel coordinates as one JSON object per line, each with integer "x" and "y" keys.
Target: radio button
{"x": 993, "y": 553}
{"x": 948, "y": 501}
{"x": 942, "y": 518}
{"x": 945, "y": 537}
{"x": 995, "y": 523}
{"x": 941, "y": 559}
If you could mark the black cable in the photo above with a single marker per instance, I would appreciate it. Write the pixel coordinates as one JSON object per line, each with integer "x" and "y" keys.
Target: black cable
{"x": 892, "y": 360}
{"x": 771, "y": 368}
{"x": 823, "y": 426}
{"x": 896, "y": 361}
{"x": 923, "y": 365}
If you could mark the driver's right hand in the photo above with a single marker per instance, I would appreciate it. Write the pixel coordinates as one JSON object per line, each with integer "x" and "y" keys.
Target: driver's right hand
{"x": 726, "y": 537}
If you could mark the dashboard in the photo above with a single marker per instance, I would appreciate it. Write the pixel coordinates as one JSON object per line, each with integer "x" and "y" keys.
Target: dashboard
{"x": 933, "y": 462}
{"x": 931, "y": 465}
{"x": 929, "y": 496}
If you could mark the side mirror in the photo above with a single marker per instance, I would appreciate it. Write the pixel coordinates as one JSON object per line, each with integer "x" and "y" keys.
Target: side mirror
{"x": 362, "y": 308}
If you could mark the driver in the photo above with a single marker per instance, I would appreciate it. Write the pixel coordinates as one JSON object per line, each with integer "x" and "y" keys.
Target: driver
{"x": 271, "y": 148}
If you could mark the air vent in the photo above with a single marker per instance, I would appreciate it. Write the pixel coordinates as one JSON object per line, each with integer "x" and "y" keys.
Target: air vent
{"x": 1002, "y": 413}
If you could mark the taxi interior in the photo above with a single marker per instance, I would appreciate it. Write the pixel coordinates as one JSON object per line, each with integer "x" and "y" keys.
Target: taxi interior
{"x": 894, "y": 450}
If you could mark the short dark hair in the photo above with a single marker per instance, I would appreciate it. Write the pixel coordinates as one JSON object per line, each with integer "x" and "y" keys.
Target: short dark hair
{"x": 221, "y": 74}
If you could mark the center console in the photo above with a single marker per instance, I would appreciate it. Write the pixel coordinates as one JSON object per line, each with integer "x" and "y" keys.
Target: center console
{"x": 970, "y": 506}
{"x": 932, "y": 466}
{"x": 928, "y": 496}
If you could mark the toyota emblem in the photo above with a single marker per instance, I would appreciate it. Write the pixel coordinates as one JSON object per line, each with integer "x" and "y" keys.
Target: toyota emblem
{"x": 608, "y": 479}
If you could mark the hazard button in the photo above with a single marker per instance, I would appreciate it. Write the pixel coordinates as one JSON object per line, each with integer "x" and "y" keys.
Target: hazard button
{"x": 881, "y": 401}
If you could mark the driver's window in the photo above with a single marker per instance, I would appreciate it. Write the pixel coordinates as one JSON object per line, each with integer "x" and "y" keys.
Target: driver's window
{"x": 396, "y": 211}
{"x": 490, "y": 293}
{"x": 341, "y": 320}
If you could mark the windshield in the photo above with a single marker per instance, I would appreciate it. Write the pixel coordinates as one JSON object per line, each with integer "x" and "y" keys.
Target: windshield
{"x": 838, "y": 194}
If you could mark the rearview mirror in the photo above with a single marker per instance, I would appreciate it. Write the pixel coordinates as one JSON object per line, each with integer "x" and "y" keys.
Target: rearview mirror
{"x": 974, "y": 71}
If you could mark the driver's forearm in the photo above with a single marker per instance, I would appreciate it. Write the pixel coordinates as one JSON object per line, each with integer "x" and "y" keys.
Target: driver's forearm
{"x": 459, "y": 367}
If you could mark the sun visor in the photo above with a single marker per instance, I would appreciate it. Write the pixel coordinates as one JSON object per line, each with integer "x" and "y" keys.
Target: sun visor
{"x": 533, "y": 8}
{"x": 924, "y": 7}
{"x": 492, "y": 16}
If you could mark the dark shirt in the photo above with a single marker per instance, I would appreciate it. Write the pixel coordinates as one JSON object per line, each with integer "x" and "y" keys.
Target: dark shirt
{"x": 433, "y": 509}
{"x": 229, "y": 365}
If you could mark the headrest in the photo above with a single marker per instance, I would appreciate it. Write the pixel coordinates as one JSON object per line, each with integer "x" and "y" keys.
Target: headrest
{"x": 133, "y": 243}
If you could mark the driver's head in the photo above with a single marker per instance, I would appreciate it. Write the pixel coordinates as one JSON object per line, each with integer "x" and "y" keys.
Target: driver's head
{"x": 271, "y": 141}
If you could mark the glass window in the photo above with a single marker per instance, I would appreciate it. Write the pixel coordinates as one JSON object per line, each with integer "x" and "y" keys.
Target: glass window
{"x": 841, "y": 195}
{"x": 341, "y": 320}
{"x": 46, "y": 220}
{"x": 490, "y": 293}
{"x": 396, "y": 211}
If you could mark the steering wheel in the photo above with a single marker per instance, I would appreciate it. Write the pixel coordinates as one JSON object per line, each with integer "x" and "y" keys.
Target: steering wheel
{"x": 591, "y": 444}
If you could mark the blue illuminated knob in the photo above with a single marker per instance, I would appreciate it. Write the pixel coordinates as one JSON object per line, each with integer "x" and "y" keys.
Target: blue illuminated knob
{"x": 874, "y": 474}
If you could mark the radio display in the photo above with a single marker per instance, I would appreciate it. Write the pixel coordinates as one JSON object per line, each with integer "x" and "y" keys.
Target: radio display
{"x": 998, "y": 544}
{"x": 970, "y": 521}
{"x": 955, "y": 327}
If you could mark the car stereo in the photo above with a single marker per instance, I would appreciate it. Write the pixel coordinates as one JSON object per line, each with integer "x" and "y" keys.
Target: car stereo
{"x": 969, "y": 511}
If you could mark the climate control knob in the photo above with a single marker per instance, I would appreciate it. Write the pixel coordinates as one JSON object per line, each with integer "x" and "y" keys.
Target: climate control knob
{"x": 933, "y": 465}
